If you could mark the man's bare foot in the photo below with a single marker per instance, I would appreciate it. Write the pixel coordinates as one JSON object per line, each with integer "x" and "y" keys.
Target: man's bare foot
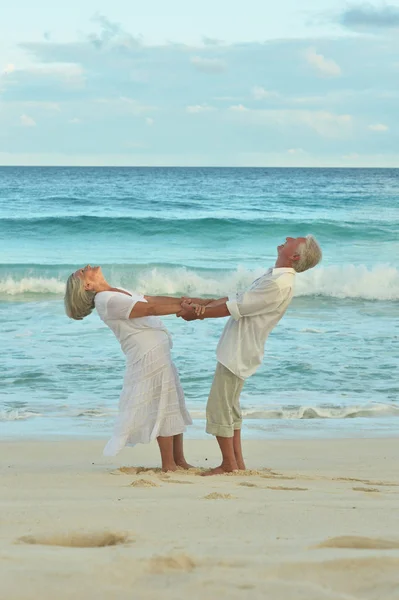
{"x": 169, "y": 467}
{"x": 182, "y": 464}
{"x": 222, "y": 470}
{"x": 241, "y": 465}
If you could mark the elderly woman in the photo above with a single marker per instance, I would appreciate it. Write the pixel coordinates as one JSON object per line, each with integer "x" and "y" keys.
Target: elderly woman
{"x": 152, "y": 401}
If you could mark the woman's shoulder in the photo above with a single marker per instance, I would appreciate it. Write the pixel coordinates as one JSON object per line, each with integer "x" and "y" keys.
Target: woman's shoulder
{"x": 101, "y": 300}
{"x": 117, "y": 300}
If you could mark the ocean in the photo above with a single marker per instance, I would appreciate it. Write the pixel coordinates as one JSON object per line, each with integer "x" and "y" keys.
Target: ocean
{"x": 331, "y": 365}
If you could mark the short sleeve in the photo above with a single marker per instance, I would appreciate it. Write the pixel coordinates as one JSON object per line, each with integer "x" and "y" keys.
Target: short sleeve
{"x": 119, "y": 306}
{"x": 257, "y": 301}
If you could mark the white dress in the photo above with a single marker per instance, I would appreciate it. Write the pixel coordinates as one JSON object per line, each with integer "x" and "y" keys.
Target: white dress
{"x": 152, "y": 400}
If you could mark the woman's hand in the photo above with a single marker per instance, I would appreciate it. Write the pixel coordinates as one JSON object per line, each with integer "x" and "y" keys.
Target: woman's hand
{"x": 198, "y": 309}
{"x": 192, "y": 309}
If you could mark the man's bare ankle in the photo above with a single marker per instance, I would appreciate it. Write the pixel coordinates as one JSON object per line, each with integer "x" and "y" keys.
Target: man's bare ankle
{"x": 169, "y": 467}
{"x": 229, "y": 466}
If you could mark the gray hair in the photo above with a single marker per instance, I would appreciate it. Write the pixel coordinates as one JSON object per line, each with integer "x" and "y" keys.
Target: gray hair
{"x": 78, "y": 302}
{"x": 310, "y": 255}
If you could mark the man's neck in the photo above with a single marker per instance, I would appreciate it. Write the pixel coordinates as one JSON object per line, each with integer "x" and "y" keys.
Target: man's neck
{"x": 283, "y": 264}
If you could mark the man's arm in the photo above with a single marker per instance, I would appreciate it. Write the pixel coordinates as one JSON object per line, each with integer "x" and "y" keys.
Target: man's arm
{"x": 214, "y": 310}
{"x": 200, "y": 301}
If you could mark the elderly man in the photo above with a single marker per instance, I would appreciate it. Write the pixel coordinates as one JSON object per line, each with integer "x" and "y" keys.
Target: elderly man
{"x": 253, "y": 315}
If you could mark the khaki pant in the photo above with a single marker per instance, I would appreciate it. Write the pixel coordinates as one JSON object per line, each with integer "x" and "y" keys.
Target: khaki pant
{"x": 223, "y": 412}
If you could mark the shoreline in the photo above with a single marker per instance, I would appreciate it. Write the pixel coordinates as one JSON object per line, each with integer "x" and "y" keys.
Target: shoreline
{"x": 314, "y": 519}
{"x": 295, "y": 430}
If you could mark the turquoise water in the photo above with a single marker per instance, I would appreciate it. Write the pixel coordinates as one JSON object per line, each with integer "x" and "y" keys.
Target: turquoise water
{"x": 331, "y": 364}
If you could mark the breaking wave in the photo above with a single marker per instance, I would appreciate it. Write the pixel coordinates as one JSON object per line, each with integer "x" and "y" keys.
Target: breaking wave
{"x": 380, "y": 282}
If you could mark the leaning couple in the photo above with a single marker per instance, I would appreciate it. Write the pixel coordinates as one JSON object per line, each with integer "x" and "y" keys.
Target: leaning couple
{"x": 152, "y": 402}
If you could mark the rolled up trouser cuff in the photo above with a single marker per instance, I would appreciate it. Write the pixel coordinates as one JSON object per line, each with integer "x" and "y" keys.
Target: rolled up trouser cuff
{"x": 226, "y": 431}
{"x": 223, "y": 413}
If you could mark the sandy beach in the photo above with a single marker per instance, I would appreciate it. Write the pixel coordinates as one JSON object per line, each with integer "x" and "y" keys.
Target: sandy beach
{"x": 311, "y": 520}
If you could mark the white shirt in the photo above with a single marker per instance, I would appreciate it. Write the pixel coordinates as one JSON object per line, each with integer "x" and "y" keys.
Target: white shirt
{"x": 136, "y": 336}
{"x": 254, "y": 313}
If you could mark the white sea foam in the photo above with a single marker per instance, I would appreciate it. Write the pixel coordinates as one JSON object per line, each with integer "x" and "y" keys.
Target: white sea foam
{"x": 17, "y": 415}
{"x": 31, "y": 285}
{"x": 299, "y": 412}
{"x": 380, "y": 282}
{"x": 316, "y": 412}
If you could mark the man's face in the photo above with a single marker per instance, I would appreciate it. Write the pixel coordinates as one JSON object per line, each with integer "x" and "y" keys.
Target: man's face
{"x": 289, "y": 250}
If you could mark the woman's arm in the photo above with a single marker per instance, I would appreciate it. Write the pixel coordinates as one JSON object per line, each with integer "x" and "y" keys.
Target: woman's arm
{"x": 163, "y": 300}
{"x": 179, "y": 300}
{"x": 148, "y": 309}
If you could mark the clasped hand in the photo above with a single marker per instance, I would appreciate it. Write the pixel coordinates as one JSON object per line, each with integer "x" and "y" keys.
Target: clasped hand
{"x": 190, "y": 310}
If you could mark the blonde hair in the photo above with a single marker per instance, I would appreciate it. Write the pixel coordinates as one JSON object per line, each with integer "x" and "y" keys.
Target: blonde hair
{"x": 78, "y": 302}
{"x": 310, "y": 255}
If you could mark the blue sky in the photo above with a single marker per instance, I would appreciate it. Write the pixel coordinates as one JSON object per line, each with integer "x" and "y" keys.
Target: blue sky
{"x": 249, "y": 83}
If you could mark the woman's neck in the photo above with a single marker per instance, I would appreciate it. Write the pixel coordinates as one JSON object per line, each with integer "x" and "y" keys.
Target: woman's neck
{"x": 103, "y": 287}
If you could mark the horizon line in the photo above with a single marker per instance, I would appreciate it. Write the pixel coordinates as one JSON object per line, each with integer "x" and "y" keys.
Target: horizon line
{"x": 66, "y": 166}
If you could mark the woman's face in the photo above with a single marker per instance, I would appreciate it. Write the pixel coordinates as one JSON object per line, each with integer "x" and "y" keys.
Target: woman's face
{"x": 91, "y": 276}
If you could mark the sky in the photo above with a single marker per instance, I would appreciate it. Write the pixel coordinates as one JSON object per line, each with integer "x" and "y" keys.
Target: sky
{"x": 222, "y": 83}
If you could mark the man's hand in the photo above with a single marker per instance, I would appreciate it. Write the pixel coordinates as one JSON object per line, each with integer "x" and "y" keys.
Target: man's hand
{"x": 190, "y": 311}
{"x": 187, "y": 315}
{"x": 200, "y": 301}
{"x": 214, "y": 309}
{"x": 198, "y": 309}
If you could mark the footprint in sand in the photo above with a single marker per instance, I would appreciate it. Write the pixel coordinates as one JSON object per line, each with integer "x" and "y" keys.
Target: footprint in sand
{"x": 367, "y": 481}
{"x": 77, "y": 540}
{"x": 273, "y": 475}
{"x": 155, "y": 471}
{"x": 162, "y": 564}
{"x": 359, "y": 543}
{"x": 143, "y": 483}
{"x": 138, "y": 471}
{"x": 364, "y": 489}
{"x": 247, "y": 484}
{"x": 217, "y": 496}
{"x": 286, "y": 489}
{"x": 177, "y": 481}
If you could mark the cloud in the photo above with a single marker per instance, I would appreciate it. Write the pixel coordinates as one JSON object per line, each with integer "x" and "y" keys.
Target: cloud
{"x": 324, "y": 123}
{"x": 199, "y": 108}
{"x": 379, "y": 127}
{"x": 352, "y": 156}
{"x": 324, "y": 66}
{"x": 74, "y": 121}
{"x": 266, "y": 98}
{"x": 259, "y": 93}
{"x": 296, "y": 151}
{"x": 367, "y": 16}
{"x": 112, "y": 33}
{"x": 10, "y": 68}
{"x": 70, "y": 74}
{"x": 239, "y": 108}
{"x": 67, "y": 76}
{"x": 208, "y": 65}
{"x": 149, "y": 121}
{"x": 126, "y": 105}
{"x": 47, "y": 106}
{"x": 208, "y": 41}
{"x": 27, "y": 121}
